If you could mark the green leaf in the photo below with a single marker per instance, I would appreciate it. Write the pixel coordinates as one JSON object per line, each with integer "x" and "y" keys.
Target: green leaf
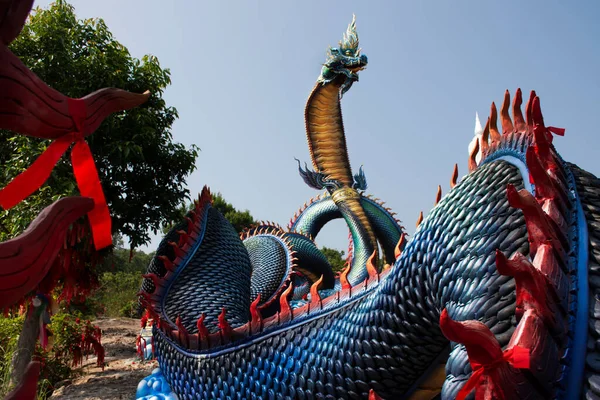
{"x": 142, "y": 170}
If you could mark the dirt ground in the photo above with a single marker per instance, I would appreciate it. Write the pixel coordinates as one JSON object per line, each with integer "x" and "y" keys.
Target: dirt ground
{"x": 123, "y": 371}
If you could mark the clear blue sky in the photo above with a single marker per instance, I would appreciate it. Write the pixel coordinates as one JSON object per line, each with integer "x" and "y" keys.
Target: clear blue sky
{"x": 242, "y": 71}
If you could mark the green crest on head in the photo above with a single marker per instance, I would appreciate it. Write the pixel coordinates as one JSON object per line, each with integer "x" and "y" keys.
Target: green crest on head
{"x": 344, "y": 60}
{"x": 350, "y": 40}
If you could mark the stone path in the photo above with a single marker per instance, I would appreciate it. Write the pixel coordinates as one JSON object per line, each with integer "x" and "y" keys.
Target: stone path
{"x": 123, "y": 370}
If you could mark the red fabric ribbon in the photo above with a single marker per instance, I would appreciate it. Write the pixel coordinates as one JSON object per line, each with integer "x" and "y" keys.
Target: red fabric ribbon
{"x": 517, "y": 356}
{"x": 556, "y": 131}
{"x": 84, "y": 169}
{"x": 549, "y": 130}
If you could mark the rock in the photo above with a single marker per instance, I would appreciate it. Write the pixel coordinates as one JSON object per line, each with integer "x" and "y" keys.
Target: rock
{"x": 62, "y": 383}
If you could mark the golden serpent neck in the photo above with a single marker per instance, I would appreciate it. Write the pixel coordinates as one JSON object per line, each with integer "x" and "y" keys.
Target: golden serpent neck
{"x": 325, "y": 132}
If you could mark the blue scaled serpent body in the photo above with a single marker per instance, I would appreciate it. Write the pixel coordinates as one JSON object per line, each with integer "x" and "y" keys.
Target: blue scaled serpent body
{"x": 507, "y": 260}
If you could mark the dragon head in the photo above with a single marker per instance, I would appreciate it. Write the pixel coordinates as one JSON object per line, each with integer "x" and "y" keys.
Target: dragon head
{"x": 344, "y": 60}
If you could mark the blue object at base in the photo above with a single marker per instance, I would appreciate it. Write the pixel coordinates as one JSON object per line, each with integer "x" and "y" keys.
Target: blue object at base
{"x": 155, "y": 387}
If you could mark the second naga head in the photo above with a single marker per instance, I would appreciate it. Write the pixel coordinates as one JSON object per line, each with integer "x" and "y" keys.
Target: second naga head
{"x": 344, "y": 61}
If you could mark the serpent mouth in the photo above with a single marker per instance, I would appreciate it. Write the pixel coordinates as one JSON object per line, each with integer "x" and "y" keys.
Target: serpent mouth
{"x": 357, "y": 64}
{"x": 353, "y": 64}
{"x": 358, "y": 68}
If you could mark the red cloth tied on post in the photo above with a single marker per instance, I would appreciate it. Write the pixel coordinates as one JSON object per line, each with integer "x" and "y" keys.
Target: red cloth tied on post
{"x": 30, "y": 107}
{"x": 517, "y": 356}
{"x": 84, "y": 170}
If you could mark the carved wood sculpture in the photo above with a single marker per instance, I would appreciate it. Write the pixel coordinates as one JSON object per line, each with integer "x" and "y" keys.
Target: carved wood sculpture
{"x": 30, "y": 107}
{"x": 26, "y": 259}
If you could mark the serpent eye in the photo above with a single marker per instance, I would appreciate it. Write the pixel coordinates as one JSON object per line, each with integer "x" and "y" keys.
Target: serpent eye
{"x": 348, "y": 52}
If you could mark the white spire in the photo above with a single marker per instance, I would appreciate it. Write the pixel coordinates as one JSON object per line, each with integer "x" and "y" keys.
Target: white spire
{"x": 476, "y": 138}
{"x": 478, "y": 127}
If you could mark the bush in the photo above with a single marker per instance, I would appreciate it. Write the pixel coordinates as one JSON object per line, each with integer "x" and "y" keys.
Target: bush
{"x": 65, "y": 333}
{"x": 70, "y": 343}
{"x": 116, "y": 297}
{"x": 129, "y": 310}
{"x": 9, "y": 334}
{"x": 117, "y": 294}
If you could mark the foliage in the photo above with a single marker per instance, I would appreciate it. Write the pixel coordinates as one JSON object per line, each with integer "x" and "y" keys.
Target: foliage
{"x": 57, "y": 360}
{"x": 119, "y": 279}
{"x": 143, "y": 172}
{"x": 9, "y": 333}
{"x": 66, "y": 333}
{"x": 116, "y": 296}
{"x": 239, "y": 219}
{"x": 67, "y": 330}
{"x": 125, "y": 260}
{"x": 335, "y": 258}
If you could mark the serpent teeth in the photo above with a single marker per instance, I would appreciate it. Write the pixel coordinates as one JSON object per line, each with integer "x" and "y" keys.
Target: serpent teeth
{"x": 183, "y": 237}
{"x": 454, "y": 176}
{"x": 154, "y": 278}
{"x": 315, "y": 298}
{"x": 438, "y": 195}
{"x": 473, "y": 156}
{"x": 494, "y": 134}
{"x": 520, "y": 125}
{"x": 202, "y": 330}
{"x": 256, "y": 319}
{"x": 546, "y": 188}
{"x": 178, "y": 251}
{"x": 534, "y": 291}
{"x": 224, "y": 326}
{"x": 285, "y": 313}
{"x": 182, "y": 333}
{"x": 400, "y": 246}
{"x": 507, "y": 125}
{"x": 529, "y": 109}
{"x": 539, "y": 228}
{"x": 420, "y": 219}
{"x": 344, "y": 278}
{"x": 190, "y": 225}
{"x": 484, "y": 139}
{"x": 371, "y": 268}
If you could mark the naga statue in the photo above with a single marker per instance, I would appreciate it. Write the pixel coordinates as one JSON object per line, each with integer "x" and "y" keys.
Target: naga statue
{"x": 497, "y": 293}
